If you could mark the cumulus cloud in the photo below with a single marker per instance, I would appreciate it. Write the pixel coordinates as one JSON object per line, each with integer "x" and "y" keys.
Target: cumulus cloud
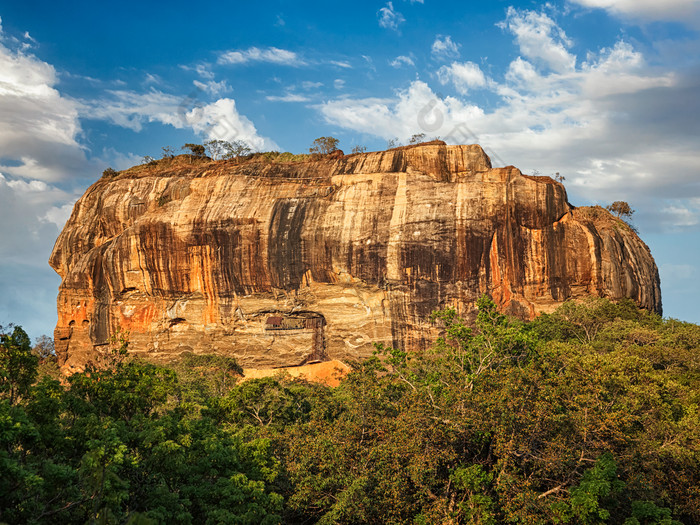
{"x": 221, "y": 120}
{"x": 464, "y": 76}
{"x": 272, "y": 55}
{"x": 39, "y": 126}
{"x": 540, "y": 39}
{"x": 443, "y": 47}
{"x": 390, "y": 18}
{"x": 617, "y": 127}
{"x": 216, "y": 120}
{"x": 413, "y": 110}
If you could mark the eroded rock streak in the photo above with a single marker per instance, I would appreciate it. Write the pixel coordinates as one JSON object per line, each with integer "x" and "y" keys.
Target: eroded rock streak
{"x": 280, "y": 264}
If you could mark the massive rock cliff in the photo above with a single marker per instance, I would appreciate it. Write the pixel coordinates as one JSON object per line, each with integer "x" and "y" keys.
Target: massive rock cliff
{"x": 281, "y": 264}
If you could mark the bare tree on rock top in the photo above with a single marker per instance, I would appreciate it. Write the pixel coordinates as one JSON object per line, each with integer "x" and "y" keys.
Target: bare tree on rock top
{"x": 236, "y": 150}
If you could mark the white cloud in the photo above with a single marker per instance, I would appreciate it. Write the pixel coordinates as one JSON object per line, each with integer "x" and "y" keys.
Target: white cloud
{"x": 685, "y": 11}
{"x": 272, "y": 55}
{"x": 39, "y": 126}
{"x": 58, "y": 215}
{"x": 339, "y": 83}
{"x": 213, "y": 88}
{"x": 217, "y": 120}
{"x": 680, "y": 215}
{"x": 464, "y": 76}
{"x": 444, "y": 47}
{"x": 131, "y": 110}
{"x": 152, "y": 79}
{"x": 341, "y": 63}
{"x": 289, "y": 97}
{"x": 540, "y": 39}
{"x": 402, "y": 60}
{"x": 389, "y": 18}
{"x": 204, "y": 71}
{"x": 31, "y": 215}
{"x": 221, "y": 120}
{"x": 413, "y": 110}
{"x": 615, "y": 126}
{"x": 308, "y": 84}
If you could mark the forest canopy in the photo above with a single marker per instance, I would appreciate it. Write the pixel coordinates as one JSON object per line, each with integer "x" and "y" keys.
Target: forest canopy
{"x": 587, "y": 415}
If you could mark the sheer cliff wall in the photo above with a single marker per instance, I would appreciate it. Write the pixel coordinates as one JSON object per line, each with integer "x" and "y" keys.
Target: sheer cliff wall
{"x": 281, "y": 264}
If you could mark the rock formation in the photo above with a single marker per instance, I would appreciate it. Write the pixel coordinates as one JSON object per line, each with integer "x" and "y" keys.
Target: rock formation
{"x": 281, "y": 264}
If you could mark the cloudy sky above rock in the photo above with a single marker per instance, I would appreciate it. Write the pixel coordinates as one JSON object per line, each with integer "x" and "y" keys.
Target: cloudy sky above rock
{"x": 604, "y": 92}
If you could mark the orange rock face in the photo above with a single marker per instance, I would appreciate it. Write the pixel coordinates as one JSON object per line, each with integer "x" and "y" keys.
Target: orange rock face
{"x": 279, "y": 264}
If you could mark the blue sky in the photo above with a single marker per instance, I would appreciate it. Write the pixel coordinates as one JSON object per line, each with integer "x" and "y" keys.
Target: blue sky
{"x": 604, "y": 92}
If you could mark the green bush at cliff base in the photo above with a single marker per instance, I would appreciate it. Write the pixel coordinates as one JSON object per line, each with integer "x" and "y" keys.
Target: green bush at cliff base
{"x": 588, "y": 415}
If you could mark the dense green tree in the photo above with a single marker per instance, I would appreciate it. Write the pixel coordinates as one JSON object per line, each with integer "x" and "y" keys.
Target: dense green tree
{"x": 586, "y": 415}
{"x": 18, "y": 365}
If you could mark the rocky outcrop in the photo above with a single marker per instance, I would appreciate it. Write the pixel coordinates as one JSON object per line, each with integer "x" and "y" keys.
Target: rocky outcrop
{"x": 282, "y": 264}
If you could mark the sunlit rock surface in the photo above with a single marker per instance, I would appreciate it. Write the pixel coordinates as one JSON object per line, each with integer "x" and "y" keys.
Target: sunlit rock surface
{"x": 282, "y": 264}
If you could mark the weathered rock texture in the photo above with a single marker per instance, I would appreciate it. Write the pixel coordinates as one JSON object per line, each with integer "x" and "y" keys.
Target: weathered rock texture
{"x": 282, "y": 264}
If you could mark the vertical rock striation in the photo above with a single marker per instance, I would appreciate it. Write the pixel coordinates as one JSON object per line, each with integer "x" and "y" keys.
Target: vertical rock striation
{"x": 280, "y": 264}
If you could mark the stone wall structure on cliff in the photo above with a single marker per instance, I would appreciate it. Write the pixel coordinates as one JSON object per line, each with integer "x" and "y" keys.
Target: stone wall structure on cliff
{"x": 280, "y": 264}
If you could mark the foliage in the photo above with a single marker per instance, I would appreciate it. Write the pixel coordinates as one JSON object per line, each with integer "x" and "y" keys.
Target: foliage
{"x": 222, "y": 149}
{"x": 236, "y": 149}
{"x": 17, "y": 365}
{"x": 109, "y": 173}
{"x": 44, "y": 347}
{"x": 359, "y": 149}
{"x": 417, "y": 138}
{"x": 196, "y": 150}
{"x": 215, "y": 148}
{"x": 324, "y": 145}
{"x": 586, "y": 415}
{"x": 168, "y": 152}
{"x": 620, "y": 209}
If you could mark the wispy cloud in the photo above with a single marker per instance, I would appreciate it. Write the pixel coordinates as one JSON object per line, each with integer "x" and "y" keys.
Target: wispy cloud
{"x": 402, "y": 60}
{"x": 390, "y": 18}
{"x": 443, "y": 47}
{"x": 289, "y": 97}
{"x": 213, "y": 88}
{"x": 272, "y": 55}
{"x": 341, "y": 63}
